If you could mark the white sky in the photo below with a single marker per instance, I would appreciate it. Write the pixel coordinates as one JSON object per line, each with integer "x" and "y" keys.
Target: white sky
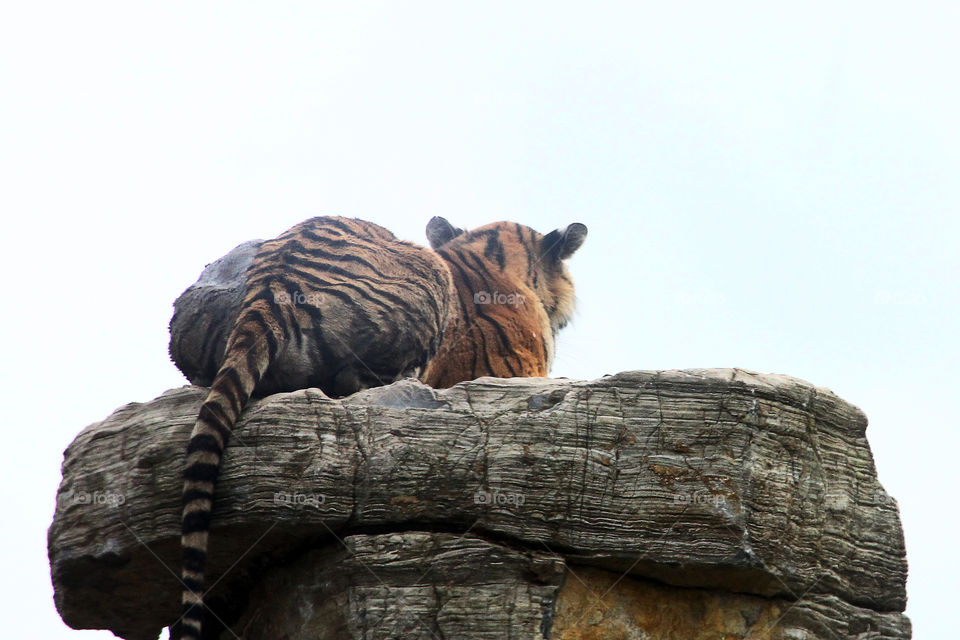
{"x": 767, "y": 188}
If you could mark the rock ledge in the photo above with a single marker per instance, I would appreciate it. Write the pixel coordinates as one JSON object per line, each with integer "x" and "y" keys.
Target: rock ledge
{"x": 739, "y": 503}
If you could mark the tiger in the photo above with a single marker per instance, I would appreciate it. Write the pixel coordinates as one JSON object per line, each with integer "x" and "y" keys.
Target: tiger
{"x": 343, "y": 305}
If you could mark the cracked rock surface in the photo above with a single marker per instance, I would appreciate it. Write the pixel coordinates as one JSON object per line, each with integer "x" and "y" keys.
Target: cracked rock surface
{"x": 672, "y": 504}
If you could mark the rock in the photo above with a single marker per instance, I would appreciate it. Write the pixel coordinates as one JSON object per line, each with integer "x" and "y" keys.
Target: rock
{"x": 655, "y": 503}
{"x": 406, "y": 585}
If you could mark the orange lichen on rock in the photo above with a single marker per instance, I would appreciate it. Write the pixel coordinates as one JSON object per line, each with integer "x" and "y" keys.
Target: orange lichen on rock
{"x": 599, "y": 605}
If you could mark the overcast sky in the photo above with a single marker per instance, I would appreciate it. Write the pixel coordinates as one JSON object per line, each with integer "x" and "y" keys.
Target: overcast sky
{"x": 768, "y": 188}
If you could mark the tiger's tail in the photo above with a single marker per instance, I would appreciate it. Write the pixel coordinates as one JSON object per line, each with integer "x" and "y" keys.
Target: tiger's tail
{"x": 253, "y": 345}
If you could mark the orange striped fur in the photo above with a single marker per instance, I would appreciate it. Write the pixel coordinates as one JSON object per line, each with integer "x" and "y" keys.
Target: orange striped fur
{"x": 514, "y": 292}
{"x": 343, "y": 305}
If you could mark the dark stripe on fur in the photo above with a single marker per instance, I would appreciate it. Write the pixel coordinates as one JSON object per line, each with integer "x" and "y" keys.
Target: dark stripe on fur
{"x": 351, "y": 277}
{"x": 466, "y": 307}
{"x": 494, "y": 250}
{"x": 532, "y": 258}
{"x": 473, "y": 325}
{"x": 204, "y": 442}
{"x": 255, "y": 316}
{"x": 354, "y": 229}
{"x": 212, "y": 415}
{"x": 194, "y": 586}
{"x": 505, "y": 352}
{"x": 233, "y": 391}
{"x": 194, "y": 559}
{"x": 196, "y": 521}
{"x": 201, "y": 472}
{"x": 268, "y": 296}
{"x": 351, "y": 274}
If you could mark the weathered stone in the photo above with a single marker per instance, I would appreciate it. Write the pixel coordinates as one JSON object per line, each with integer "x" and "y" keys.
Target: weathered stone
{"x": 712, "y": 480}
{"x": 599, "y": 605}
{"x": 410, "y": 585}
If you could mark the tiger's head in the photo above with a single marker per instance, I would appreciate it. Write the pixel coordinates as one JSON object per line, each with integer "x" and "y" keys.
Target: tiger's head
{"x": 521, "y": 254}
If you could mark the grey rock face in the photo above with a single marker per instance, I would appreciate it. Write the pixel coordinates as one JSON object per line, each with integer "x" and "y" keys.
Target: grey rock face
{"x": 496, "y": 504}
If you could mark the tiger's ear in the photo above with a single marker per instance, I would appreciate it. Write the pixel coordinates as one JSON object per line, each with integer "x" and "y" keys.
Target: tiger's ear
{"x": 440, "y": 232}
{"x": 560, "y": 244}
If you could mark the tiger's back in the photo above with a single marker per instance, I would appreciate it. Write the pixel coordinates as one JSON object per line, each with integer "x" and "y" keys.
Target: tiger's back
{"x": 360, "y": 307}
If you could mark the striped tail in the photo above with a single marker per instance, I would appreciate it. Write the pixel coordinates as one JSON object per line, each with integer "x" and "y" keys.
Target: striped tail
{"x": 252, "y": 346}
